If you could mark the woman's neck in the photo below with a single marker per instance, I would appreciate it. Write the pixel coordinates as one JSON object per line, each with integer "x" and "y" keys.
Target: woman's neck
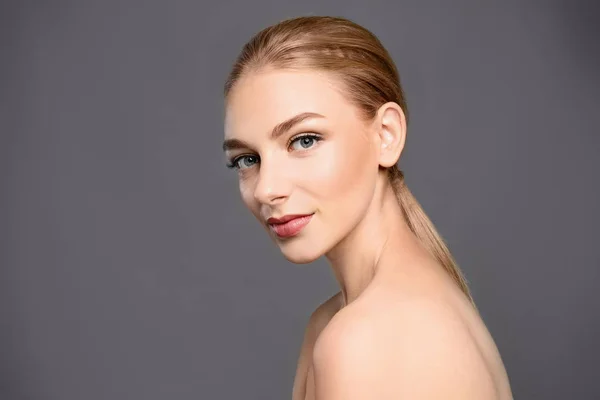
{"x": 383, "y": 234}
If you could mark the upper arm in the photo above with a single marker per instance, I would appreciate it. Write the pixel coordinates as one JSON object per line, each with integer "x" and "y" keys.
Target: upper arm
{"x": 420, "y": 353}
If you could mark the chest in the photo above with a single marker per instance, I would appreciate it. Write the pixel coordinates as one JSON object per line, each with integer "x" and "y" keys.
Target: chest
{"x": 305, "y": 384}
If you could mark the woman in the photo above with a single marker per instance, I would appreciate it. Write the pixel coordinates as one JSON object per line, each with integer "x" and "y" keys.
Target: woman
{"x": 315, "y": 123}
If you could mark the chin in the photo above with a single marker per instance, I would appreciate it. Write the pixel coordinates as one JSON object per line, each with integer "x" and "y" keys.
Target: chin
{"x": 299, "y": 257}
{"x": 299, "y": 254}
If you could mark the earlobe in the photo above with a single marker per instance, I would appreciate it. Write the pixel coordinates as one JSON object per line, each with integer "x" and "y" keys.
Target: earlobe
{"x": 392, "y": 133}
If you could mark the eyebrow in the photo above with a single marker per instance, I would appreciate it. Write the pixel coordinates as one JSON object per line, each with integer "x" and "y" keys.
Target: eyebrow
{"x": 277, "y": 131}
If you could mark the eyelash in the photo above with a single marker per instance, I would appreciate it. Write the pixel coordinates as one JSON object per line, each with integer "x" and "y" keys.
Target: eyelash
{"x": 317, "y": 138}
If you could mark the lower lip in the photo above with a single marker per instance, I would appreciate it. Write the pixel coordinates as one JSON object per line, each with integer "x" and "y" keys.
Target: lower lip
{"x": 292, "y": 227}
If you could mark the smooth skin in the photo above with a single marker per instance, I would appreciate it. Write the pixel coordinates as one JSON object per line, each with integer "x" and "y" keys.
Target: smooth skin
{"x": 399, "y": 328}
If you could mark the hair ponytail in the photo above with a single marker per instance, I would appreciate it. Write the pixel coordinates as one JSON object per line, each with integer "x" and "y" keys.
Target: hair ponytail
{"x": 420, "y": 224}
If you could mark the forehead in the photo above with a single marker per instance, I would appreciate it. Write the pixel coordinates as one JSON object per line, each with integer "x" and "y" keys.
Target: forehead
{"x": 261, "y": 100}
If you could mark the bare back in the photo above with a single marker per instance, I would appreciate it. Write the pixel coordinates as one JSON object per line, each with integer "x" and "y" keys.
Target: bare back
{"x": 388, "y": 296}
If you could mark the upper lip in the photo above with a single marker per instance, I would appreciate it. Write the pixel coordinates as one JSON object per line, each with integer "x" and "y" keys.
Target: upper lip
{"x": 285, "y": 218}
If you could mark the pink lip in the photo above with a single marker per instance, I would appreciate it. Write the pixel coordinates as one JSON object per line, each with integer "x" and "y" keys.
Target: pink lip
{"x": 289, "y": 225}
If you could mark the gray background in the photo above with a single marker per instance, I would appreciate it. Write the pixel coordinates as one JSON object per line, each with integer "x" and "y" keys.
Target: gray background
{"x": 130, "y": 268}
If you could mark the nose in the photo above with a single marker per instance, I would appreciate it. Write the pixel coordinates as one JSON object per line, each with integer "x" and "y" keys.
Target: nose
{"x": 272, "y": 186}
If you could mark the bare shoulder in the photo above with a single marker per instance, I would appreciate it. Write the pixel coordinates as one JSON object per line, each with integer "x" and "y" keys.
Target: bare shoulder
{"x": 416, "y": 347}
{"x": 317, "y": 321}
{"x": 321, "y": 316}
{"x": 326, "y": 310}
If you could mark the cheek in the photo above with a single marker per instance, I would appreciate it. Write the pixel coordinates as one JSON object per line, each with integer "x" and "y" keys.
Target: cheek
{"x": 342, "y": 174}
{"x": 247, "y": 194}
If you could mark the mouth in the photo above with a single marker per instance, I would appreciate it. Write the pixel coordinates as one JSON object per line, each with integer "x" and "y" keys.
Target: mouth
{"x": 289, "y": 225}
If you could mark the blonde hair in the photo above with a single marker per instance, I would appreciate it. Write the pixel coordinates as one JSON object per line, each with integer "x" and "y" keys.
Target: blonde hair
{"x": 369, "y": 78}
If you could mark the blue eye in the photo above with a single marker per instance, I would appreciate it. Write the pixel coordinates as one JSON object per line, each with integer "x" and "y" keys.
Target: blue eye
{"x": 300, "y": 143}
{"x": 243, "y": 162}
{"x": 304, "y": 142}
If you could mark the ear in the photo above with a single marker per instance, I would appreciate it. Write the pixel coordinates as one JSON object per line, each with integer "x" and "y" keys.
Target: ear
{"x": 391, "y": 130}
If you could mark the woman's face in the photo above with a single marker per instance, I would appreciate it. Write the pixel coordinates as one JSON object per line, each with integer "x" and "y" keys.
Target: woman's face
{"x": 321, "y": 165}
